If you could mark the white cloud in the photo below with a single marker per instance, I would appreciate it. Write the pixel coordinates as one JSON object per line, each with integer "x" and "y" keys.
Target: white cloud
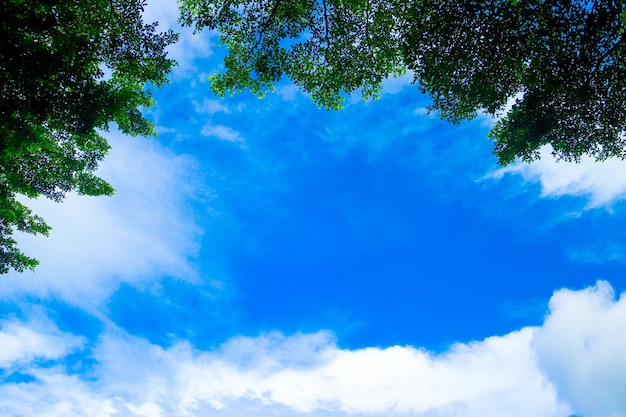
{"x": 309, "y": 375}
{"x": 573, "y": 363}
{"x": 288, "y": 92}
{"x": 581, "y": 346}
{"x": 164, "y": 11}
{"x": 210, "y": 107}
{"x": 145, "y": 229}
{"x": 221, "y": 132}
{"x": 601, "y": 182}
{"x": 393, "y": 85}
{"x": 189, "y": 46}
{"x": 423, "y": 111}
{"x": 54, "y": 394}
{"x": 24, "y": 342}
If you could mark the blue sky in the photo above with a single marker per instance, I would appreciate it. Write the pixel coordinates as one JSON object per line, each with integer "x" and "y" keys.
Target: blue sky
{"x": 266, "y": 257}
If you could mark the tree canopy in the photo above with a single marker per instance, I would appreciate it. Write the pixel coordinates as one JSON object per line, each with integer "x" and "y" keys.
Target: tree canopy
{"x": 552, "y": 71}
{"x": 561, "y": 62}
{"x": 68, "y": 69}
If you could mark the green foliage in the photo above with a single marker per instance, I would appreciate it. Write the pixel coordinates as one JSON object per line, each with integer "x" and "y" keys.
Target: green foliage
{"x": 564, "y": 60}
{"x": 68, "y": 69}
{"x": 326, "y": 47}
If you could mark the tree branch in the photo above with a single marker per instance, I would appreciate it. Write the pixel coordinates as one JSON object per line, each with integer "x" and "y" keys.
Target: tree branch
{"x": 326, "y": 37}
{"x": 367, "y": 20}
{"x": 265, "y": 26}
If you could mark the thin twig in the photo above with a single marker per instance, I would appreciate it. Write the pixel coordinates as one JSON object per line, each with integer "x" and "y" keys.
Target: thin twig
{"x": 326, "y": 24}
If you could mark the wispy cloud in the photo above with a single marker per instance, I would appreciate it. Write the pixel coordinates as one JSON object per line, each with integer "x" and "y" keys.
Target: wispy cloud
{"x": 221, "y": 132}
{"x": 23, "y": 343}
{"x": 602, "y": 183}
{"x": 147, "y": 228}
{"x": 210, "y": 107}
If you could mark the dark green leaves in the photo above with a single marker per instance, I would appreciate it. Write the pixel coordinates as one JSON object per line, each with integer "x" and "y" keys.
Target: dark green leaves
{"x": 326, "y": 47}
{"x": 564, "y": 60}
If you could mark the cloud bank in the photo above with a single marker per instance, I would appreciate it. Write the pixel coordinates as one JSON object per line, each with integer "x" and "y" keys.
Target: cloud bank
{"x": 573, "y": 363}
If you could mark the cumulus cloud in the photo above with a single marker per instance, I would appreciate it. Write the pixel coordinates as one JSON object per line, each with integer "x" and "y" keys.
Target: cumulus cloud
{"x": 145, "y": 229}
{"x": 581, "y": 346}
{"x": 601, "y": 182}
{"x": 307, "y": 374}
{"x": 572, "y": 364}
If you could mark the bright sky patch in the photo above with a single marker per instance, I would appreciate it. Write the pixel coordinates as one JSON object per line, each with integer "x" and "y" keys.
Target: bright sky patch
{"x": 266, "y": 257}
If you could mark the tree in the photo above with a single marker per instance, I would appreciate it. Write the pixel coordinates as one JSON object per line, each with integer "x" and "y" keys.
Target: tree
{"x": 68, "y": 69}
{"x": 562, "y": 61}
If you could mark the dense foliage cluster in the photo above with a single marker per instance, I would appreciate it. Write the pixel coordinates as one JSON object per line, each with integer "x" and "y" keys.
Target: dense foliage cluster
{"x": 68, "y": 69}
{"x": 563, "y": 60}
{"x": 326, "y": 47}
